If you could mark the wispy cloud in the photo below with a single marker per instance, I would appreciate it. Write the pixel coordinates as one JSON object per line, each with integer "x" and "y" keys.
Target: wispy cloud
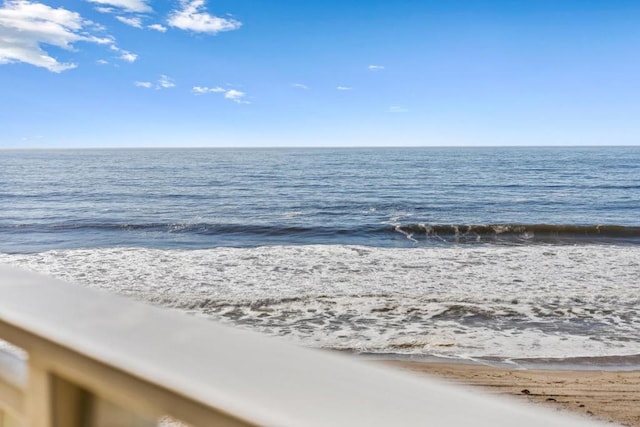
{"x": 31, "y": 138}
{"x": 102, "y": 62}
{"x": 128, "y": 5}
{"x": 192, "y": 16}
{"x": 157, "y": 27}
{"x": 376, "y": 67}
{"x": 232, "y": 94}
{"x": 125, "y": 55}
{"x": 344, "y": 88}
{"x": 300, "y": 86}
{"x": 236, "y": 96}
{"x": 26, "y": 26}
{"x": 133, "y": 21}
{"x": 397, "y": 109}
{"x": 203, "y": 89}
{"x": 136, "y": 21}
{"x": 103, "y": 9}
{"x": 163, "y": 82}
{"x": 128, "y": 56}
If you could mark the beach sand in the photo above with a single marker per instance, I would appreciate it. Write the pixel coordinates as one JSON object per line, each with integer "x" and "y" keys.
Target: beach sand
{"x": 606, "y": 395}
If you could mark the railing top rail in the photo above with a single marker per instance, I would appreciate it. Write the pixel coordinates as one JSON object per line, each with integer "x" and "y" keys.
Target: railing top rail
{"x": 253, "y": 378}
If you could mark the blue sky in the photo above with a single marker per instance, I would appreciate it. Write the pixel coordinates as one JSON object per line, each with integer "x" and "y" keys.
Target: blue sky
{"x": 107, "y": 73}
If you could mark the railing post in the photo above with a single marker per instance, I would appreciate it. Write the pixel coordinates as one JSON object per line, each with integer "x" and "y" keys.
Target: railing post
{"x": 12, "y": 384}
{"x": 7, "y": 420}
{"x": 53, "y": 401}
{"x": 71, "y": 404}
{"x": 74, "y": 406}
{"x": 108, "y": 414}
{"x": 38, "y": 396}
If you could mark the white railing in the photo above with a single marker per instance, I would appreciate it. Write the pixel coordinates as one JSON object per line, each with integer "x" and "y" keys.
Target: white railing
{"x": 98, "y": 360}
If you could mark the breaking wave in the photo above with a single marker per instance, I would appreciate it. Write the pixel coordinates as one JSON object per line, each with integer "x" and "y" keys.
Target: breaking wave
{"x": 244, "y": 235}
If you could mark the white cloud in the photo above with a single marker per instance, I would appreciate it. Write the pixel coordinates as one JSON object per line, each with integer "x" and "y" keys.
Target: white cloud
{"x": 231, "y": 94}
{"x": 128, "y": 56}
{"x": 31, "y": 138}
{"x": 163, "y": 82}
{"x": 397, "y": 109}
{"x": 124, "y": 54}
{"x": 102, "y": 62}
{"x": 25, "y": 26}
{"x": 128, "y": 5}
{"x": 105, "y": 9}
{"x": 203, "y": 89}
{"x": 193, "y": 17}
{"x": 133, "y": 21}
{"x": 234, "y": 95}
{"x": 375, "y": 67}
{"x": 299, "y": 86}
{"x": 344, "y": 88}
{"x": 157, "y": 27}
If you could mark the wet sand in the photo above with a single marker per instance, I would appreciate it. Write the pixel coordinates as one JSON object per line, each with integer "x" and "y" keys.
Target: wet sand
{"x": 605, "y": 395}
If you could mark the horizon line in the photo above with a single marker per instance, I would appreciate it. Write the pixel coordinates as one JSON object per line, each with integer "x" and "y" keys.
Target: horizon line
{"x": 242, "y": 147}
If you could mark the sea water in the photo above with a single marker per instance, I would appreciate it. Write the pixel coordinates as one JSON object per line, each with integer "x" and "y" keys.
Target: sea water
{"x": 507, "y": 254}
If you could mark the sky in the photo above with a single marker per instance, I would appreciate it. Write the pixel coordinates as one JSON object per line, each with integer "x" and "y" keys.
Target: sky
{"x": 233, "y": 73}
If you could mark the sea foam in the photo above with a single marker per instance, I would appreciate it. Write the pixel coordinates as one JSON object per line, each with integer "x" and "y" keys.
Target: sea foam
{"x": 485, "y": 301}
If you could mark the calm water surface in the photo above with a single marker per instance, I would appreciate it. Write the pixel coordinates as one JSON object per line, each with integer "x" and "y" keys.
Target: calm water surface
{"x": 251, "y": 197}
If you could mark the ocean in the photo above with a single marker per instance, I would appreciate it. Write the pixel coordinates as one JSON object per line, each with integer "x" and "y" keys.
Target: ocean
{"x": 498, "y": 255}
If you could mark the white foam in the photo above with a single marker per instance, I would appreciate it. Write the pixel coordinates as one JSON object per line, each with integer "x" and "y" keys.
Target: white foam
{"x": 458, "y": 301}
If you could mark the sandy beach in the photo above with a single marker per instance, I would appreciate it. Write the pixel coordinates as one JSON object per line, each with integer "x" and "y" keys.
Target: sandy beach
{"x": 612, "y": 396}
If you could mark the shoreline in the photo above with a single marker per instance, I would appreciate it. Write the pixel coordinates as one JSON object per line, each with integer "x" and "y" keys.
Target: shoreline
{"x": 618, "y": 363}
{"x": 603, "y": 394}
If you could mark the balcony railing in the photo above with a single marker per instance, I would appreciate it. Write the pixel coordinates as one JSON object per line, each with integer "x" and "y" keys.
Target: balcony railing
{"x": 94, "y": 359}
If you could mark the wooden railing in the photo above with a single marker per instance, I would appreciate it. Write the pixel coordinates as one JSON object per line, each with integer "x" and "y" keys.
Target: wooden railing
{"x": 98, "y": 360}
